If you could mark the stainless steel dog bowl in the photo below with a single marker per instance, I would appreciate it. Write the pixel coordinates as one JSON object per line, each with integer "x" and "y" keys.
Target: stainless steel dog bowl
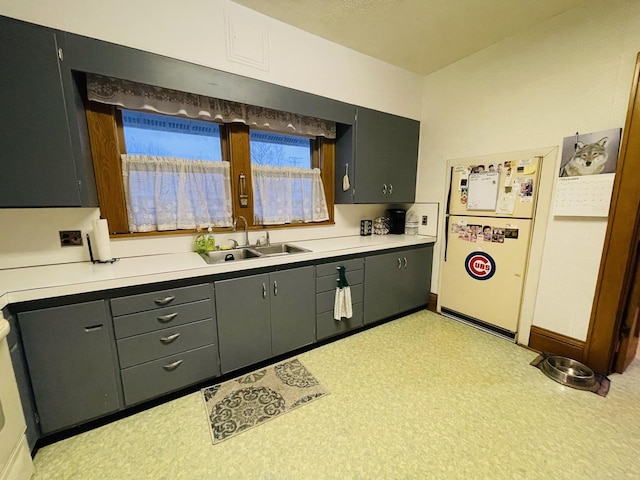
{"x": 569, "y": 372}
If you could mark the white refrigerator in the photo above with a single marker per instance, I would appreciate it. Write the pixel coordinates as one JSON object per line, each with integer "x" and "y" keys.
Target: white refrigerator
{"x": 488, "y": 228}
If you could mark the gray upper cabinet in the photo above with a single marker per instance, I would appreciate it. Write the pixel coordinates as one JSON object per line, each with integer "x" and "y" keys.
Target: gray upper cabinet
{"x": 39, "y": 148}
{"x": 72, "y": 364}
{"x": 381, "y": 151}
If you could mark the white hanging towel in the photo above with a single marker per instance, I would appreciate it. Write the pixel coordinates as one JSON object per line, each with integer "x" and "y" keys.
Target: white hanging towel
{"x": 342, "y": 307}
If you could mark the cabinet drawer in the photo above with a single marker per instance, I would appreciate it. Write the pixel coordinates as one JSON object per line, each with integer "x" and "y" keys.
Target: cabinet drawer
{"x": 330, "y": 268}
{"x": 325, "y": 301}
{"x": 161, "y": 298}
{"x": 149, "y": 321}
{"x": 326, "y": 326}
{"x": 165, "y": 375}
{"x": 330, "y": 282}
{"x": 158, "y": 344}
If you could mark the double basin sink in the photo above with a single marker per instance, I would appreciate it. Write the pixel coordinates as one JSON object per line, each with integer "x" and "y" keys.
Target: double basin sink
{"x": 248, "y": 253}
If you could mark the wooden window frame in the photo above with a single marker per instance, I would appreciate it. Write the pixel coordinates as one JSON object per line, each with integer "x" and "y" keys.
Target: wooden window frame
{"x": 106, "y": 137}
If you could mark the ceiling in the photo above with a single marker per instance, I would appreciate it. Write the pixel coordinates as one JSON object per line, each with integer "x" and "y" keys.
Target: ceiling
{"x": 421, "y": 36}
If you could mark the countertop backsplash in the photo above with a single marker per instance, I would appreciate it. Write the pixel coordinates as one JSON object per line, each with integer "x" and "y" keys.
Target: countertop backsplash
{"x": 30, "y": 237}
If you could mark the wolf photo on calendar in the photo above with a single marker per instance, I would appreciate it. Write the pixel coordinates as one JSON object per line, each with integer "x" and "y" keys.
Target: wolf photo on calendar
{"x": 590, "y": 153}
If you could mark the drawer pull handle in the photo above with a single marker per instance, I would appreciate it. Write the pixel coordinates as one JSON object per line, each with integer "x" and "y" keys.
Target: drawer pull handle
{"x": 165, "y": 301}
{"x": 92, "y": 328}
{"x": 275, "y": 287}
{"x": 172, "y": 366}
{"x": 170, "y": 338}
{"x": 168, "y": 317}
{"x": 405, "y": 261}
{"x": 399, "y": 263}
{"x": 264, "y": 290}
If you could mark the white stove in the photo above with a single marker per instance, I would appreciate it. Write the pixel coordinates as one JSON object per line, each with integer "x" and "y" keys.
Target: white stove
{"x": 15, "y": 458}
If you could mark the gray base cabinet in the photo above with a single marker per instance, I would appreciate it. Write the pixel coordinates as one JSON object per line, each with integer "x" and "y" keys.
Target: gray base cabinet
{"x": 166, "y": 340}
{"x": 292, "y": 312}
{"x": 261, "y": 316}
{"x": 396, "y": 282}
{"x": 71, "y": 363}
{"x": 85, "y": 360}
{"x": 326, "y": 282}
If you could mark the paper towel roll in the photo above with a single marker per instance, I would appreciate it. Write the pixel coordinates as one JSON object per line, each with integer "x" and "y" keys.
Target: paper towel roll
{"x": 101, "y": 243}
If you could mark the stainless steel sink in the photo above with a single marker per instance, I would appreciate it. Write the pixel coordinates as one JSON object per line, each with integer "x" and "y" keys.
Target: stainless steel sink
{"x": 279, "y": 249}
{"x": 221, "y": 256}
{"x": 247, "y": 253}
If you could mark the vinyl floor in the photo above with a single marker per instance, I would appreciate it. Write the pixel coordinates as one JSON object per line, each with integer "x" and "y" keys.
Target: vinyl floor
{"x": 421, "y": 397}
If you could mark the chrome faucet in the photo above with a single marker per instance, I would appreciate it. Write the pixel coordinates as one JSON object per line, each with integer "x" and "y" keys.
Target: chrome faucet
{"x": 265, "y": 242}
{"x": 246, "y": 229}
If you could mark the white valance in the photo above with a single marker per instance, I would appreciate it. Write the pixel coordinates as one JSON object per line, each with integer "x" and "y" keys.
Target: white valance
{"x": 138, "y": 96}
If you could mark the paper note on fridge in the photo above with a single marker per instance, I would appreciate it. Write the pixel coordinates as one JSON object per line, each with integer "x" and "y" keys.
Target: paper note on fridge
{"x": 506, "y": 202}
{"x": 483, "y": 191}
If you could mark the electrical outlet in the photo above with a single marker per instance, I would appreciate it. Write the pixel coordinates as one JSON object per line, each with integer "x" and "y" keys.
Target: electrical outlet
{"x": 424, "y": 219}
{"x": 70, "y": 238}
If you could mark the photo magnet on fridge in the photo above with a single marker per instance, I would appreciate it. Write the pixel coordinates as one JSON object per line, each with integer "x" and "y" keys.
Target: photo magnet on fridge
{"x": 510, "y": 233}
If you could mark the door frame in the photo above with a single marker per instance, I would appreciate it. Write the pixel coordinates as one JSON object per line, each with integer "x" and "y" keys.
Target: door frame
{"x": 619, "y": 256}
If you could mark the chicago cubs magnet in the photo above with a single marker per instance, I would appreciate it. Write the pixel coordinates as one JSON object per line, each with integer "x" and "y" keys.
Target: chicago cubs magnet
{"x": 480, "y": 265}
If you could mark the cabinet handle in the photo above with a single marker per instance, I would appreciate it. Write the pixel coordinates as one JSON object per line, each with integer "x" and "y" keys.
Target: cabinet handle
{"x": 399, "y": 263}
{"x": 390, "y": 188}
{"x": 168, "y": 317}
{"x": 165, "y": 300}
{"x": 405, "y": 261}
{"x": 172, "y": 366}
{"x": 384, "y": 188}
{"x": 170, "y": 338}
{"x": 275, "y": 287}
{"x": 92, "y": 328}
{"x": 264, "y": 290}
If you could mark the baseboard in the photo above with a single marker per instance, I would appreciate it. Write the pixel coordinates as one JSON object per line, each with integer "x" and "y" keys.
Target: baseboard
{"x": 433, "y": 302}
{"x": 543, "y": 340}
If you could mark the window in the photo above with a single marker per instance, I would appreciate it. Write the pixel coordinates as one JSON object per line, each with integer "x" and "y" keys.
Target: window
{"x": 286, "y": 187}
{"x": 173, "y": 174}
{"x": 160, "y": 173}
{"x": 153, "y": 134}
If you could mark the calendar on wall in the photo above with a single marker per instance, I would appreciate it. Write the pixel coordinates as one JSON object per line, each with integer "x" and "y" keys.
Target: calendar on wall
{"x": 583, "y": 196}
{"x": 586, "y": 175}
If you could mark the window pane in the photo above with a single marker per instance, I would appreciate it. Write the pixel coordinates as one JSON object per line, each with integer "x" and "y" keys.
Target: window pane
{"x": 279, "y": 150}
{"x": 154, "y": 134}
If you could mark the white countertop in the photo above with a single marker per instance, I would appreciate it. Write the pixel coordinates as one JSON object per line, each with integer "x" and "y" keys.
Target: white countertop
{"x": 33, "y": 283}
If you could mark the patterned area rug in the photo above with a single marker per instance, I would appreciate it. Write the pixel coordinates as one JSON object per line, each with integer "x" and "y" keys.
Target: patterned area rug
{"x": 245, "y": 402}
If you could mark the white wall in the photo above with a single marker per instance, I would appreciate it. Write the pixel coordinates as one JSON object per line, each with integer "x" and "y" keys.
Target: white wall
{"x": 572, "y": 73}
{"x": 221, "y": 35}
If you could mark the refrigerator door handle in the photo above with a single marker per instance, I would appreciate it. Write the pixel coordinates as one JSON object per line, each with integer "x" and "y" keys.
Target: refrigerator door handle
{"x": 446, "y": 235}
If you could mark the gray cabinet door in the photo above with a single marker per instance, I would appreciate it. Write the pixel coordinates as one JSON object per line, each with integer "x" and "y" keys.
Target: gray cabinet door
{"x": 402, "y": 159}
{"x": 396, "y": 282}
{"x": 38, "y": 168}
{"x": 381, "y": 285}
{"x": 371, "y": 150}
{"x": 416, "y": 278}
{"x": 69, "y": 352}
{"x": 292, "y": 309}
{"x": 244, "y": 327}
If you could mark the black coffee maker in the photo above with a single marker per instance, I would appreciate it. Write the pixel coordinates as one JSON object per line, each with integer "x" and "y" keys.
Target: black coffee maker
{"x": 396, "y": 218}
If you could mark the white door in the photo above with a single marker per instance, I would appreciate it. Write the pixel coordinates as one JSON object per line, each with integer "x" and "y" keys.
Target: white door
{"x": 484, "y": 268}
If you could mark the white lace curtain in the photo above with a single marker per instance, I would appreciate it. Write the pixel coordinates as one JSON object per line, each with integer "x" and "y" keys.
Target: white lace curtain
{"x": 168, "y": 193}
{"x": 287, "y": 195}
{"x": 138, "y": 96}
